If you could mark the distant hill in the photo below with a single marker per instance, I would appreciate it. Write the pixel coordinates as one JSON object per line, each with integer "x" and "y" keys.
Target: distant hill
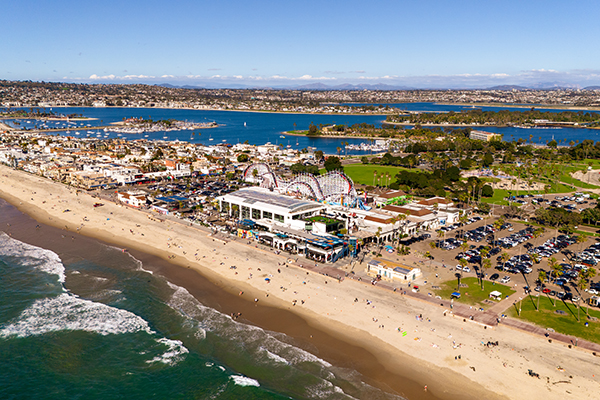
{"x": 508, "y": 87}
{"x": 349, "y": 86}
{"x": 592, "y": 88}
{"x": 553, "y": 86}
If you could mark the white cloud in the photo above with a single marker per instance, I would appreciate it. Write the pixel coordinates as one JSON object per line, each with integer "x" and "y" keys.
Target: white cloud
{"x": 540, "y": 77}
{"x": 105, "y": 77}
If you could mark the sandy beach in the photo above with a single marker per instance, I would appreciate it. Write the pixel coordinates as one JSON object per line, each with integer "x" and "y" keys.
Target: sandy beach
{"x": 442, "y": 355}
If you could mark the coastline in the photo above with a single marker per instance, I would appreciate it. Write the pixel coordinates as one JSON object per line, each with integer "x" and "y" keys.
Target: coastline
{"x": 338, "y": 136}
{"x": 504, "y": 105}
{"x": 219, "y": 109}
{"x": 425, "y": 356}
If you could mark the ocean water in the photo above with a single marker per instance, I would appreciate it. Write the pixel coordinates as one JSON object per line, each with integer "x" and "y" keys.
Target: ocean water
{"x": 101, "y": 326}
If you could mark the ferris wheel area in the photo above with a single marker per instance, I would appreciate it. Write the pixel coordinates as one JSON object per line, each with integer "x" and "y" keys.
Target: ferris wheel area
{"x": 334, "y": 187}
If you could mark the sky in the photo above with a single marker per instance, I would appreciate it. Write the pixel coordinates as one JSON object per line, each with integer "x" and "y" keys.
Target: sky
{"x": 256, "y": 43}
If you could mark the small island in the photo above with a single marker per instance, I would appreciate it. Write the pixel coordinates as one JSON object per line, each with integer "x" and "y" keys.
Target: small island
{"x": 141, "y": 125}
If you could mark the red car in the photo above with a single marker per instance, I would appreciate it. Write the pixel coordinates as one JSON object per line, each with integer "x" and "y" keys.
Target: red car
{"x": 545, "y": 290}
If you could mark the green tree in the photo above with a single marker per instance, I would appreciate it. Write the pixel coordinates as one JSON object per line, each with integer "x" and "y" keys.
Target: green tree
{"x": 487, "y": 191}
{"x": 333, "y": 163}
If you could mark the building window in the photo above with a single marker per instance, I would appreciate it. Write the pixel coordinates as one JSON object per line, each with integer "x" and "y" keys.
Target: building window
{"x": 245, "y": 212}
{"x": 278, "y": 217}
{"x": 224, "y": 206}
{"x": 267, "y": 215}
{"x": 255, "y": 213}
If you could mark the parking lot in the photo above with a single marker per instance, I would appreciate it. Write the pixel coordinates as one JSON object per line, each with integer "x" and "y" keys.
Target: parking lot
{"x": 516, "y": 255}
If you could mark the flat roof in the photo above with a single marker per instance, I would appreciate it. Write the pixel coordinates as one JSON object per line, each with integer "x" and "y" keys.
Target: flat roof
{"x": 251, "y": 196}
{"x": 401, "y": 268}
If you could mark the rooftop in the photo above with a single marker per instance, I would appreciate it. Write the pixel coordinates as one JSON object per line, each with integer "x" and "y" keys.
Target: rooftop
{"x": 401, "y": 268}
{"x": 259, "y": 195}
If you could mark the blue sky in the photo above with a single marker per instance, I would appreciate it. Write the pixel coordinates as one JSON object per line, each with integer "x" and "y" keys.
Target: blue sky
{"x": 424, "y": 44}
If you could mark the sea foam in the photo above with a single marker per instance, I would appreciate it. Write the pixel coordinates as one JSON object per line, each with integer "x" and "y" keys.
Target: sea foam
{"x": 68, "y": 312}
{"x": 42, "y": 259}
{"x": 267, "y": 347}
{"x": 173, "y": 355}
{"x": 241, "y": 380}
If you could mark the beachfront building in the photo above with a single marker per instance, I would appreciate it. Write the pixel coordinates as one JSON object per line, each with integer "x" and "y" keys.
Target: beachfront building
{"x": 321, "y": 248}
{"x": 134, "y": 199}
{"x": 397, "y": 197}
{"x": 485, "y": 136}
{"x": 391, "y": 271}
{"x": 264, "y": 206}
{"x": 285, "y": 223}
{"x": 91, "y": 180}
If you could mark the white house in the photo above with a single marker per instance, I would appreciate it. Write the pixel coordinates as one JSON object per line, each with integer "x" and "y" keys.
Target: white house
{"x": 134, "y": 199}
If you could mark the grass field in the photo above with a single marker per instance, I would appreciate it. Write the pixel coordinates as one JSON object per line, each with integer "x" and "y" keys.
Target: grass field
{"x": 564, "y": 323}
{"x": 500, "y": 194}
{"x": 566, "y": 178}
{"x": 472, "y": 294}
{"x": 363, "y": 174}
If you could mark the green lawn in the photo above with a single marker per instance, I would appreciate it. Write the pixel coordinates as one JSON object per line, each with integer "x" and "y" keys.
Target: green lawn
{"x": 472, "y": 295}
{"x": 363, "y": 174}
{"x": 564, "y": 323}
{"x": 500, "y": 194}
{"x": 567, "y": 178}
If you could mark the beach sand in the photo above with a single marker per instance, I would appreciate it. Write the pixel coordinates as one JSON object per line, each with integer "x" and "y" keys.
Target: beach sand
{"x": 401, "y": 343}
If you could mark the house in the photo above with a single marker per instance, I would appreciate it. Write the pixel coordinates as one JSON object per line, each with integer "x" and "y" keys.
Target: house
{"x": 134, "y": 199}
{"x": 391, "y": 271}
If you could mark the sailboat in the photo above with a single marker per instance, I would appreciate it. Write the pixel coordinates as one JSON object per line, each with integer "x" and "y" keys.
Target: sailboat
{"x": 244, "y": 124}
{"x": 210, "y": 138}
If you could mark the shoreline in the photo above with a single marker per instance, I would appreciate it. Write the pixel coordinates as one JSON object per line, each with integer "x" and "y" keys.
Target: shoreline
{"x": 424, "y": 356}
{"x": 338, "y": 136}
{"x": 216, "y": 109}
{"x": 504, "y": 105}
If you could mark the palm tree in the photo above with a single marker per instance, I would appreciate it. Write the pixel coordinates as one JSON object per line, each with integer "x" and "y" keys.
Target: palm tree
{"x": 581, "y": 239}
{"x": 463, "y": 264}
{"x": 484, "y": 253}
{"x": 504, "y": 257}
{"x": 464, "y": 246}
{"x": 440, "y": 235}
{"x": 586, "y": 277}
{"x": 541, "y": 277}
{"x": 485, "y": 265}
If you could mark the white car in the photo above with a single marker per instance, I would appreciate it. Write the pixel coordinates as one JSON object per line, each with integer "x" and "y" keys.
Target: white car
{"x": 506, "y": 279}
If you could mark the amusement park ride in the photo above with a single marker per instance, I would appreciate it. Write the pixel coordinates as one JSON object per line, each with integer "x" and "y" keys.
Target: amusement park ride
{"x": 334, "y": 187}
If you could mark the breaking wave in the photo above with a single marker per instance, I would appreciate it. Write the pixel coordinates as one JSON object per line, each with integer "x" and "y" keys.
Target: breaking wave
{"x": 41, "y": 259}
{"x": 68, "y": 312}
{"x": 244, "y": 380}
